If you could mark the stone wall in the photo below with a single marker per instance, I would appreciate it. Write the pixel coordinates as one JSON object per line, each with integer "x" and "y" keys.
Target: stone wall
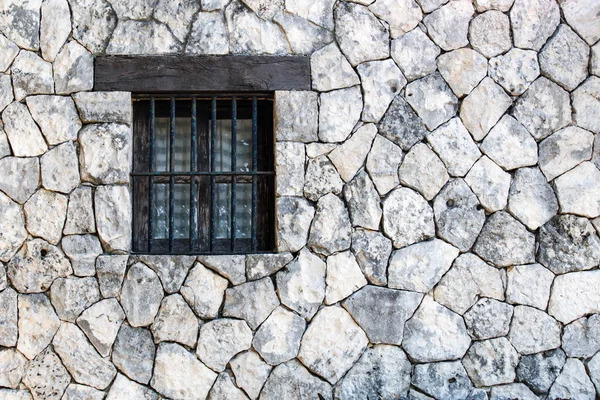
{"x": 438, "y": 203}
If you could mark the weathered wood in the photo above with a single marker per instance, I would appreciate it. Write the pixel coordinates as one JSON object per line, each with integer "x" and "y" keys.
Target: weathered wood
{"x": 187, "y": 74}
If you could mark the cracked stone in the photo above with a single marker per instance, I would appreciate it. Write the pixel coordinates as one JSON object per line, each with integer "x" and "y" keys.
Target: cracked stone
{"x": 101, "y": 323}
{"x": 330, "y": 70}
{"x": 224, "y": 388}
{"x": 490, "y": 184}
{"x": 176, "y": 15}
{"x": 383, "y": 162}
{"x": 531, "y": 199}
{"x": 539, "y": 371}
{"x": 415, "y": 54}
{"x": 250, "y": 372}
{"x": 175, "y": 322}
{"x": 321, "y": 178}
{"x": 423, "y": 171}
{"x": 372, "y": 251}
{"x": 220, "y": 340}
{"x": 60, "y": 169}
{"x": 71, "y": 296}
{"x": 401, "y": 125}
{"x": 208, "y": 34}
{"x": 449, "y": 25}
{"x": 171, "y": 270}
{"x": 463, "y": 69}
{"x": 407, "y": 217}
{"x": 533, "y": 331}
{"x": 529, "y": 285}
{"x": 533, "y": 22}
{"x": 252, "y": 301}
{"x": 56, "y": 116}
{"x": 489, "y": 33}
{"x": 515, "y": 70}
{"x": 578, "y": 190}
{"x": 110, "y": 270}
{"x": 510, "y": 145}
{"x": 141, "y": 295}
{"x": 204, "y": 291}
{"x": 574, "y": 295}
{"x": 113, "y": 217}
{"x": 38, "y": 323}
{"x": 24, "y": 136}
{"x": 278, "y": 338}
{"x": 133, "y": 353}
{"x": 339, "y": 112}
{"x": 445, "y": 380}
{"x": 491, "y": 362}
{"x": 45, "y": 214}
{"x": 331, "y": 229}
{"x": 381, "y": 82}
{"x": 432, "y": 99}
{"x": 586, "y": 106}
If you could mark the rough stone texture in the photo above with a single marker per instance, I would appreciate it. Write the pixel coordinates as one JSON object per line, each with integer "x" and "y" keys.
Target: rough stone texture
{"x": 38, "y": 323}
{"x": 9, "y": 51}
{"x": 401, "y": 125}
{"x": 572, "y": 382}
{"x": 31, "y": 75}
{"x": 581, "y": 338}
{"x": 303, "y": 36}
{"x": 171, "y": 270}
{"x": 8, "y": 319}
{"x": 564, "y": 150}
{"x": 21, "y": 177}
{"x": 250, "y": 372}
{"x": 363, "y": 202}
{"x": 449, "y": 25}
{"x": 489, "y": 33}
{"x": 432, "y": 99}
{"x": 514, "y": 390}
{"x": 331, "y": 229}
{"x": 104, "y": 153}
{"x": 531, "y": 199}
{"x": 113, "y": 220}
{"x": 141, "y": 295}
{"x": 515, "y": 70}
{"x": 344, "y": 277}
{"x": 578, "y": 190}
{"x": 463, "y": 69}
{"x": 490, "y": 184}
{"x": 293, "y": 381}
{"x": 175, "y": 322}
{"x": 12, "y": 226}
{"x": 78, "y": 392}
{"x": 110, "y": 271}
{"x": 407, "y": 218}
{"x": 133, "y": 353}
{"x": 382, "y": 164}
{"x": 108, "y": 107}
{"x": 251, "y": 301}
{"x": 401, "y": 16}
{"x": 124, "y": 388}
{"x": 260, "y": 265}
{"x": 6, "y": 96}
{"x": 348, "y": 157}
{"x": 101, "y": 323}
{"x": 372, "y": 251}
{"x": 491, "y": 362}
{"x": 71, "y": 296}
{"x": 296, "y": 115}
{"x": 12, "y": 368}
{"x": 208, "y": 34}
{"x": 580, "y": 15}
{"x": 538, "y": 371}
{"x": 93, "y": 23}
{"x": 56, "y": 116}
{"x": 445, "y": 380}
{"x": 82, "y": 250}
{"x": 293, "y": 221}
{"x": 529, "y": 285}
{"x": 59, "y": 167}
{"x": 415, "y": 54}
{"x": 46, "y": 376}
{"x": 321, "y": 178}
{"x": 483, "y": 108}
{"x": 533, "y": 331}
{"x": 73, "y": 69}
{"x": 220, "y": 340}
{"x": 24, "y": 136}
{"x": 594, "y": 368}
{"x": 330, "y": 70}
{"x": 423, "y": 171}
{"x": 510, "y": 145}
{"x": 574, "y": 295}
{"x": 381, "y": 81}
{"x": 585, "y": 104}
{"x": 157, "y": 38}
{"x": 55, "y": 27}
{"x": 204, "y": 291}
{"x": 533, "y": 22}
{"x": 177, "y": 16}
{"x": 290, "y": 161}
{"x": 435, "y": 333}
{"x": 224, "y": 388}
{"x": 278, "y": 338}
{"x": 488, "y": 319}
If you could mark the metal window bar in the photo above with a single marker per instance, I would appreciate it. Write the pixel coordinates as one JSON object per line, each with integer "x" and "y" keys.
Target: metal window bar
{"x": 172, "y": 177}
{"x": 254, "y": 169}
{"x": 151, "y": 181}
{"x": 193, "y": 168}
{"x": 213, "y": 192}
{"x": 233, "y": 169}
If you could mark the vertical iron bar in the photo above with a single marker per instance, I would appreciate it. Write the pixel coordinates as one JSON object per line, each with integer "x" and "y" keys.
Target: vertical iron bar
{"x": 172, "y": 178}
{"x": 213, "y": 193}
{"x": 194, "y": 162}
{"x": 233, "y": 169}
{"x": 254, "y": 169}
{"x": 151, "y": 179}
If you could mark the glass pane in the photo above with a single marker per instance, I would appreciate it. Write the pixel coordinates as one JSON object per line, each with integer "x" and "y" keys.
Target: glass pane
{"x": 243, "y": 145}
{"x": 223, "y": 211}
{"x": 160, "y": 215}
{"x": 243, "y": 211}
{"x": 181, "y": 212}
{"x": 162, "y": 149}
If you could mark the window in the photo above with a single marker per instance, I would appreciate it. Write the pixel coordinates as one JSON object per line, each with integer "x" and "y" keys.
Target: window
{"x": 203, "y": 175}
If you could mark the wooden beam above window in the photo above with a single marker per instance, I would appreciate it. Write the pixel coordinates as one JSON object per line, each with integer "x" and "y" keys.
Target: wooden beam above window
{"x": 181, "y": 74}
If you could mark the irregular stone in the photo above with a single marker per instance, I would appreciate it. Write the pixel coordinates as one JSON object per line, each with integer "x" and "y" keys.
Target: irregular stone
{"x": 578, "y": 190}
{"x": 303, "y": 36}
{"x": 431, "y": 5}
{"x": 468, "y": 279}
{"x": 500, "y": 5}
{"x": 454, "y": 146}
{"x": 46, "y": 377}
{"x": 177, "y": 16}
{"x": 489, "y": 183}
{"x": 175, "y": 322}
{"x": 250, "y": 372}
{"x": 415, "y": 54}
{"x": 70, "y": 296}
{"x": 278, "y": 338}
{"x": 109, "y": 107}
{"x": 133, "y": 9}
{"x": 125, "y": 38}
{"x": 251, "y": 301}
{"x": 317, "y": 149}
{"x": 383, "y": 162}
{"x": 133, "y": 353}
{"x": 533, "y": 331}
{"x": 344, "y": 277}
{"x": 488, "y": 319}
{"x": 8, "y": 318}
{"x": 382, "y": 312}
{"x": 401, "y": 125}
{"x": 171, "y": 270}
{"x": 510, "y": 145}
{"x": 45, "y": 213}
{"x": 82, "y": 250}
{"x": 581, "y": 338}
{"x": 6, "y": 94}
{"x": 55, "y": 27}
{"x": 60, "y": 170}
{"x": 12, "y": 368}
{"x": 36, "y": 266}
{"x": 208, "y": 34}
{"x": 564, "y": 150}
{"x": 292, "y": 381}
{"x": 533, "y": 22}
{"x": 20, "y": 22}
{"x": 538, "y": 371}
{"x": 113, "y": 217}
{"x": 294, "y": 217}
{"x": 20, "y": 178}
{"x": 529, "y": 285}
{"x": 580, "y": 15}
{"x": 483, "y": 108}
{"x": 432, "y": 99}
{"x": 8, "y": 52}
{"x": 37, "y": 324}
{"x": 423, "y": 171}
{"x": 249, "y": 34}
{"x": 512, "y": 391}
{"x": 515, "y": 70}
{"x": 585, "y": 104}
{"x": 179, "y": 374}
{"x": 3, "y": 278}
{"x": 330, "y": 70}
{"x": 572, "y": 383}
{"x": 260, "y": 265}
{"x": 445, "y": 380}
{"x": 381, "y": 372}
{"x": 81, "y": 392}
{"x": 331, "y": 229}
{"x": 80, "y": 213}
{"x": 24, "y": 136}
{"x": 31, "y": 75}
{"x": 204, "y": 291}
{"x": 491, "y": 362}
{"x": 330, "y": 353}
{"x": 381, "y": 82}
{"x": 9, "y": 394}
{"x": 56, "y": 116}
{"x": 320, "y": 13}
{"x": 220, "y": 340}
{"x": 543, "y": 109}
{"x": 407, "y": 218}
{"x": 372, "y": 251}
{"x": 289, "y": 163}
{"x": 4, "y": 145}
{"x": 265, "y": 9}
{"x": 297, "y": 116}
{"x": 12, "y": 226}
{"x": 463, "y": 69}
{"x": 401, "y": 15}
{"x": 110, "y": 270}
{"x": 448, "y": 26}
{"x": 141, "y": 295}
{"x": 489, "y": 33}
{"x": 531, "y": 199}
{"x": 435, "y": 333}
{"x": 101, "y": 323}
{"x": 104, "y": 153}
{"x": 93, "y": 23}
{"x": 73, "y": 69}
{"x": 224, "y": 388}
{"x": 339, "y": 111}
{"x": 504, "y": 241}
{"x": 574, "y": 295}
{"x": 363, "y": 202}
{"x": 594, "y": 370}
{"x": 81, "y": 360}
{"x": 565, "y": 58}
{"x": 124, "y": 388}
{"x": 360, "y": 35}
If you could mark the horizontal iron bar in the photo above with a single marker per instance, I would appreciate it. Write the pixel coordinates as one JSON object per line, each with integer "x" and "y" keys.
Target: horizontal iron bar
{"x": 205, "y": 173}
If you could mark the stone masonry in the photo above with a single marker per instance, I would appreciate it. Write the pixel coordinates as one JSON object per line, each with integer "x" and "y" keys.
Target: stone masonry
{"x": 438, "y": 207}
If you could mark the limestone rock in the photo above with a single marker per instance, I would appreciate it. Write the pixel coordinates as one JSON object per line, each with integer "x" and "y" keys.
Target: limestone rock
{"x": 8, "y": 319}
{"x": 176, "y": 15}
{"x": 445, "y": 380}
{"x": 431, "y": 5}
{"x": 574, "y": 295}
{"x": 533, "y": 331}
{"x": 109, "y": 107}
{"x": 80, "y": 212}
{"x": 449, "y": 25}
{"x": 3, "y": 278}
{"x": 382, "y": 312}
{"x": 407, "y": 218}
{"x": 9, "y": 394}
{"x": 372, "y": 251}
{"x": 141, "y": 295}
{"x": 463, "y": 69}
{"x": 381, "y": 82}
{"x": 46, "y": 377}
{"x": 289, "y": 163}
{"x": 415, "y": 54}
{"x": 124, "y": 388}
{"x": 296, "y": 114}
{"x": 510, "y": 145}
{"x": 435, "y": 333}
{"x": 71, "y": 296}
{"x": 133, "y": 353}
{"x": 31, "y": 75}
{"x": 110, "y": 270}
{"x": 252, "y": 301}
{"x": 330, "y": 353}
{"x": 339, "y": 111}
{"x": 483, "y": 108}
{"x": 292, "y": 381}
{"x": 504, "y": 241}
{"x": 126, "y": 38}
{"x": 491, "y": 362}
{"x": 224, "y": 388}
{"x": 531, "y": 199}
{"x": 594, "y": 369}
{"x": 37, "y": 324}
{"x": 585, "y": 104}
{"x": 488, "y": 319}
{"x": 12, "y": 226}
{"x": 179, "y": 374}
{"x": 303, "y": 36}
{"x": 175, "y": 322}
{"x": 330, "y": 70}
{"x": 344, "y": 277}
{"x": 24, "y": 136}
{"x": 515, "y": 70}
{"x": 533, "y": 22}
{"x": 501, "y": 5}
{"x": 543, "y": 109}
{"x": 401, "y": 125}
{"x": 45, "y": 213}
{"x": 381, "y": 372}
{"x": 104, "y": 153}
{"x": 321, "y": 178}
{"x": 432, "y": 99}
{"x": 6, "y": 95}
{"x": 171, "y": 270}
{"x": 512, "y": 391}
{"x": 581, "y": 338}
{"x": 382, "y": 164}
{"x": 79, "y": 392}
{"x": 278, "y": 338}
{"x": 331, "y": 229}
{"x": 538, "y": 371}
{"x": 204, "y": 291}
{"x": 363, "y": 202}
{"x": 260, "y": 265}
{"x": 20, "y": 177}
{"x": 12, "y": 368}
{"x": 208, "y": 34}
{"x": 82, "y": 250}
{"x": 320, "y": 13}
{"x": 490, "y": 183}
{"x": 36, "y": 266}
{"x": 93, "y": 23}
{"x": 113, "y": 217}
{"x": 73, "y": 69}
{"x": 360, "y": 35}
{"x": 293, "y": 222}
{"x": 423, "y": 171}
{"x": 101, "y": 323}
{"x": 250, "y": 372}
{"x": 564, "y": 150}
{"x": 55, "y": 27}
{"x": 529, "y": 285}
{"x": 579, "y": 15}
{"x": 578, "y": 190}
{"x": 8, "y": 51}
{"x": 572, "y": 382}
{"x": 401, "y": 15}
{"x": 60, "y": 170}
{"x": 56, "y": 116}
{"x": 222, "y": 339}
{"x": 133, "y": 9}
{"x": 454, "y": 146}
{"x": 4, "y": 145}
{"x": 81, "y": 360}
{"x": 489, "y": 33}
